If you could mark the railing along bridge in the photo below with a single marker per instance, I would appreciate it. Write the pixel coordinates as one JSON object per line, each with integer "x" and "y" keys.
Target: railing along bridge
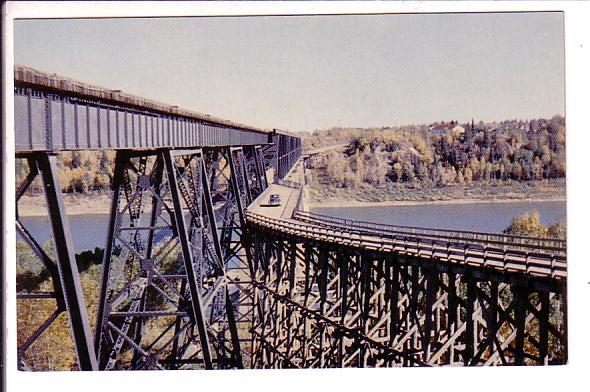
{"x": 198, "y": 273}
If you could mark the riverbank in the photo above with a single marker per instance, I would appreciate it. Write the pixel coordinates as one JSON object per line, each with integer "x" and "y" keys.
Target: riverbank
{"x": 320, "y": 194}
{"x": 355, "y": 203}
{"x": 74, "y": 205}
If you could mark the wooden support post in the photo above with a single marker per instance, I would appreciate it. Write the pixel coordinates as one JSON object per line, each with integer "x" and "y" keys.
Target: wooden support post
{"x": 292, "y": 266}
{"x": 493, "y": 316}
{"x": 366, "y": 269}
{"x": 520, "y": 298}
{"x": 431, "y": 290}
{"x": 343, "y": 267}
{"x": 394, "y": 283}
{"x": 470, "y": 330}
{"x": 306, "y": 292}
{"x": 414, "y": 306}
{"x": 544, "y": 328}
{"x": 322, "y": 287}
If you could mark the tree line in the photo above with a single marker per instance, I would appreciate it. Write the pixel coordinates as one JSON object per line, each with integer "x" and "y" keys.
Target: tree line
{"x": 463, "y": 154}
{"x": 79, "y": 171}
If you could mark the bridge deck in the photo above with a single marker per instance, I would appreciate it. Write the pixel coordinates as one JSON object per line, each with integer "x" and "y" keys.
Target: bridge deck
{"x": 288, "y": 197}
{"x": 289, "y": 191}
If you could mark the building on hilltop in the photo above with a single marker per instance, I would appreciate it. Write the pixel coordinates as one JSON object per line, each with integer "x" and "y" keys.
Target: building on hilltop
{"x": 444, "y": 128}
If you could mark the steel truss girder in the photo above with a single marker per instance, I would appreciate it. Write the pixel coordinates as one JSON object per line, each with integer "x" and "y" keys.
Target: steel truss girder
{"x": 320, "y": 305}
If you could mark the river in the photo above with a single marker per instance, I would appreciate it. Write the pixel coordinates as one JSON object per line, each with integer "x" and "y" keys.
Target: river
{"x": 89, "y": 231}
{"x": 485, "y": 217}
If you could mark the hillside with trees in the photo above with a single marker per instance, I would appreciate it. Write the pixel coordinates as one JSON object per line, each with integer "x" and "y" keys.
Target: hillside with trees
{"x": 80, "y": 172}
{"x": 441, "y": 155}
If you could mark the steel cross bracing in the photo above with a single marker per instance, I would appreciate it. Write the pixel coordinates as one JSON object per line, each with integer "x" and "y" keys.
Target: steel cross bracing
{"x": 61, "y": 269}
{"x": 166, "y": 297}
{"x": 151, "y": 270}
{"x": 238, "y": 177}
{"x": 175, "y": 288}
{"x": 325, "y": 303}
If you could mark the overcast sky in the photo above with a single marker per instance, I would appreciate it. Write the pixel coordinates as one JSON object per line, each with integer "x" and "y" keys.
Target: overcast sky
{"x": 310, "y": 72}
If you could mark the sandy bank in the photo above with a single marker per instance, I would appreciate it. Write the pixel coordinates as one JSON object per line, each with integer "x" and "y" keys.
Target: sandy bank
{"x": 74, "y": 205}
{"x": 356, "y": 203}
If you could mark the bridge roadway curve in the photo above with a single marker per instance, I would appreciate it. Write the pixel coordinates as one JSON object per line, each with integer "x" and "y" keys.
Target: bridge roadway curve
{"x": 535, "y": 257}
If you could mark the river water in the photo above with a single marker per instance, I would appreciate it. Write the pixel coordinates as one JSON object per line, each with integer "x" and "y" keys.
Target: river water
{"x": 89, "y": 231}
{"x": 485, "y": 217}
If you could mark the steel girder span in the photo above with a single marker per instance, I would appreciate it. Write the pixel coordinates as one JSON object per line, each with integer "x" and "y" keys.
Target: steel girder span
{"x": 55, "y": 113}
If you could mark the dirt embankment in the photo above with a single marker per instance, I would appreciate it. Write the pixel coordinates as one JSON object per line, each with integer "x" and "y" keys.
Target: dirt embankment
{"x": 74, "y": 205}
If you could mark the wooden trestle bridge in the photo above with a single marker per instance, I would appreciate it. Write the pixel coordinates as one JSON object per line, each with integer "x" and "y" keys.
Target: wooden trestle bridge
{"x": 198, "y": 272}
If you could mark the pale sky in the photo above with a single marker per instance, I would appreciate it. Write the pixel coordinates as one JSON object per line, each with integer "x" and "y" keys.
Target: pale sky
{"x": 307, "y": 72}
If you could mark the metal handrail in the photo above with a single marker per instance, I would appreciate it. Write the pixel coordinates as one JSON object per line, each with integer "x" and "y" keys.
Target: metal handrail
{"x": 462, "y": 235}
{"x": 289, "y": 184}
{"x": 497, "y": 258}
{"x": 470, "y": 243}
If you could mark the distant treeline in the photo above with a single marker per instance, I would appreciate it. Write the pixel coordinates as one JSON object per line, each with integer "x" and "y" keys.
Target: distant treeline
{"x": 441, "y": 155}
{"x": 79, "y": 171}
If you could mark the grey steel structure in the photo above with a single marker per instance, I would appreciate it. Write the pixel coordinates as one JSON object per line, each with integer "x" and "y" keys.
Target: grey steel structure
{"x": 192, "y": 279}
{"x": 173, "y": 292}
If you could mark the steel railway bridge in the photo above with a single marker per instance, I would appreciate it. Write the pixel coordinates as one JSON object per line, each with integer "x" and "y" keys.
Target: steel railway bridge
{"x": 197, "y": 272}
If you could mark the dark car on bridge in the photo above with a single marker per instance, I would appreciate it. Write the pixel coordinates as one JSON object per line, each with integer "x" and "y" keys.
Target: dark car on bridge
{"x": 274, "y": 200}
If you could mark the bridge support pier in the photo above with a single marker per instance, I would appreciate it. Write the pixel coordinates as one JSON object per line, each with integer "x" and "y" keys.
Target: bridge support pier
{"x": 195, "y": 212}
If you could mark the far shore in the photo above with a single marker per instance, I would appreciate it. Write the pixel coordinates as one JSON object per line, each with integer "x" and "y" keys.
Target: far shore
{"x": 74, "y": 205}
{"x": 356, "y": 203}
{"x": 100, "y": 204}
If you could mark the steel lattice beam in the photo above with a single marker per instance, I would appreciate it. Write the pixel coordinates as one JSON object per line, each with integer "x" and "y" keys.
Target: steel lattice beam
{"x": 202, "y": 329}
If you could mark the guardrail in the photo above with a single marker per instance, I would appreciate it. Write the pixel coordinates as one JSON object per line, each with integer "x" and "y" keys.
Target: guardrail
{"x": 512, "y": 241}
{"x": 289, "y": 184}
{"x": 481, "y": 254}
